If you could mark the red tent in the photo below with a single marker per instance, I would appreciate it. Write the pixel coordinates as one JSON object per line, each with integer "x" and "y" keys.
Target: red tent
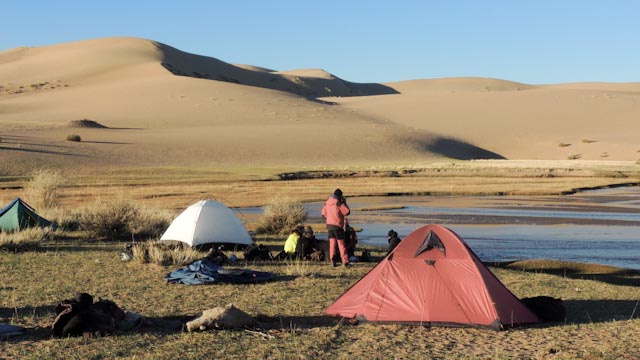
{"x": 432, "y": 278}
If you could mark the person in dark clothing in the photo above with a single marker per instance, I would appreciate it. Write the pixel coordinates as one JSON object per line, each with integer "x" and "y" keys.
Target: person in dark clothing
{"x": 394, "y": 240}
{"x": 350, "y": 240}
{"x": 306, "y": 244}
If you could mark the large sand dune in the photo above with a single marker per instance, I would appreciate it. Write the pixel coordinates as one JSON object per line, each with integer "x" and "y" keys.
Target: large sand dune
{"x": 165, "y": 107}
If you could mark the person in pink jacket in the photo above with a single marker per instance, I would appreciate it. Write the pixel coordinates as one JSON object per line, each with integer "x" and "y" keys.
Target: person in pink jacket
{"x": 334, "y": 211}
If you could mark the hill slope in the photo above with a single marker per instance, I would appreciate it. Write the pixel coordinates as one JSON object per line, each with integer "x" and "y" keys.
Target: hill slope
{"x": 165, "y": 107}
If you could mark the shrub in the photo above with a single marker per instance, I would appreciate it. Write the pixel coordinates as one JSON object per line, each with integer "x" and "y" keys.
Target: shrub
{"x": 121, "y": 219}
{"x": 65, "y": 219}
{"x": 280, "y": 216}
{"x": 42, "y": 189}
{"x": 150, "y": 222}
{"x": 74, "y": 137}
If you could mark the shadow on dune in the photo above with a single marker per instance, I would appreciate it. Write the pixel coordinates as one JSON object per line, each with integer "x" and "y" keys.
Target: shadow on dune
{"x": 203, "y": 67}
{"x": 460, "y": 150}
{"x": 39, "y": 151}
{"x": 107, "y": 142}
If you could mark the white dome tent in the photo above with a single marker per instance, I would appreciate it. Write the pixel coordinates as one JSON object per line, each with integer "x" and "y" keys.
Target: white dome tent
{"x": 206, "y": 222}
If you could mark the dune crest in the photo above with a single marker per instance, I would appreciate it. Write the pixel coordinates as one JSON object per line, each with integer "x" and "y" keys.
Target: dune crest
{"x": 166, "y": 107}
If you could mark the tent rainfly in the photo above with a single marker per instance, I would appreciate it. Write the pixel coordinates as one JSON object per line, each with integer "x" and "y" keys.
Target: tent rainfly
{"x": 432, "y": 278}
{"x": 19, "y": 215}
{"x": 207, "y": 222}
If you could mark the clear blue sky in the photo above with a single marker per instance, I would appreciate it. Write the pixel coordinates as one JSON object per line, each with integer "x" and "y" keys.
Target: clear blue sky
{"x": 536, "y": 41}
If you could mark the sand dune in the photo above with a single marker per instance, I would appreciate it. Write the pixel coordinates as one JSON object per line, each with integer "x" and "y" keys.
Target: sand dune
{"x": 165, "y": 107}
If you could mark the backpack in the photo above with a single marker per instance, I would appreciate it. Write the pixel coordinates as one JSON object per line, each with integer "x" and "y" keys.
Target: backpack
{"x": 546, "y": 307}
{"x": 257, "y": 252}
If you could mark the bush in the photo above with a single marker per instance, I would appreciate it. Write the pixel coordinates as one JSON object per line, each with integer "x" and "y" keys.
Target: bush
{"x": 42, "y": 189}
{"x": 121, "y": 219}
{"x": 280, "y": 216}
{"x": 74, "y": 137}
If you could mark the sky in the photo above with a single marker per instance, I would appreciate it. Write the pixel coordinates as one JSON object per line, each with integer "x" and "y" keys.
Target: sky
{"x": 535, "y": 42}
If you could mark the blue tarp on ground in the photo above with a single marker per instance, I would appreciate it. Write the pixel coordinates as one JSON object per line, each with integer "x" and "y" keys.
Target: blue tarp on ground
{"x": 7, "y": 330}
{"x": 207, "y": 272}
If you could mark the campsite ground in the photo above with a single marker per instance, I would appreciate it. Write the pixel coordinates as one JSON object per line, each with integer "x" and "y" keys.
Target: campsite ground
{"x": 602, "y": 303}
{"x": 602, "y": 306}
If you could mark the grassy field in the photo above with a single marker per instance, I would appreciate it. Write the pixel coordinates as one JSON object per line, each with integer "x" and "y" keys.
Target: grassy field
{"x": 603, "y": 314}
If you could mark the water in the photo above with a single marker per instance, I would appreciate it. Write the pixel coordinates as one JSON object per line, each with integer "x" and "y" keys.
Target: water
{"x": 601, "y": 227}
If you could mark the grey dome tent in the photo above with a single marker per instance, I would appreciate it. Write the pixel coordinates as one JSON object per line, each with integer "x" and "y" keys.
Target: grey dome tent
{"x": 19, "y": 215}
{"x": 208, "y": 222}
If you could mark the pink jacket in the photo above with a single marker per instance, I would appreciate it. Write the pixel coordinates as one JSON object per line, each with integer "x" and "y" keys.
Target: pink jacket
{"x": 334, "y": 213}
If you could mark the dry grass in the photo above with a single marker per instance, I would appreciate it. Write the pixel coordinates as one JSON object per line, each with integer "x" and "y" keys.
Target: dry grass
{"x": 122, "y": 218}
{"x": 43, "y": 189}
{"x": 159, "y": 253}
{"x": 601, "y": 324}
{"x": 602, "y": 308}
{"x": 280, "y": 216}
{"x": 27, "y": 239}
{"x": 175, "y": 188}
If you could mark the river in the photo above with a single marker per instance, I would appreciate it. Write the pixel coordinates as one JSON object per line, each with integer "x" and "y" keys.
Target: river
{"x": 601, "y": 226}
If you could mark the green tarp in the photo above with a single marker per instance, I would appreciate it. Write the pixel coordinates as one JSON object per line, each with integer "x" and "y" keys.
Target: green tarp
{"x": 19, "y": 215}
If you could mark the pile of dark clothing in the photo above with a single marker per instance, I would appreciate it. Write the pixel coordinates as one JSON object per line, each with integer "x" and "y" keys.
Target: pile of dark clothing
{"x": 547, "y": 308}
{"x": 81, "y": 316}
{"x": 257, "y": 252}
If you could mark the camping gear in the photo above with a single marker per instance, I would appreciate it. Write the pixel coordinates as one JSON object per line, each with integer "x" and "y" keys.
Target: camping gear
{"x": 206, "y": 271}
{"x": 219, "y": 318}
{"x": 208, "y": 222}
{"x": 432, "y": 278}
{"x": 19, "y": 215}
{"x": 81, "y": 316}
{"x": 257, "y": 252}
{"x": 546, "y": 307}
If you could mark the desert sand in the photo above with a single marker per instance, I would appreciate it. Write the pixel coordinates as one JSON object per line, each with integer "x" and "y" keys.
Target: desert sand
{"x": 165, "y": 107}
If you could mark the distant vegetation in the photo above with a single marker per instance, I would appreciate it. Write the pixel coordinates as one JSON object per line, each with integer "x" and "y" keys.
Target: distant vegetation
{"x": 74, "y": 137}
{"x": 86, "y": 123}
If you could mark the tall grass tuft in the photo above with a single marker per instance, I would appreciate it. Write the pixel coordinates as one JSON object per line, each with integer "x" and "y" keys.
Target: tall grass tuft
{"x": 183, "y": 255}
{"x": 42, "y": 190}
{"x": 122, "y": 219}
{"x": 280, "y": 216}
{"x": 299, "y": 268}
{"x": 164, "y": 254}
{"x": 27, "y": 239}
